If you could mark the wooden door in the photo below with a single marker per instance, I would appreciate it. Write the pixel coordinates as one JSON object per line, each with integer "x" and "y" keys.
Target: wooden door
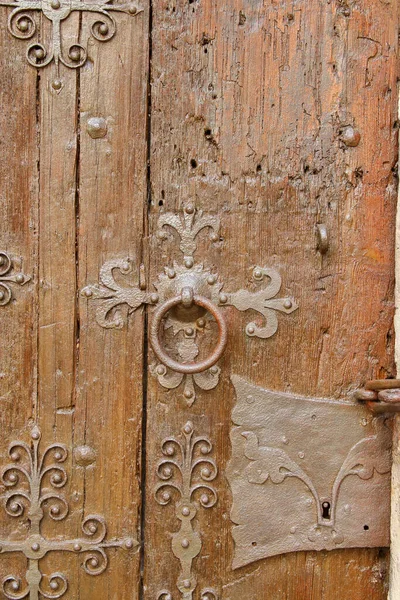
{"x": 242, "y": 152}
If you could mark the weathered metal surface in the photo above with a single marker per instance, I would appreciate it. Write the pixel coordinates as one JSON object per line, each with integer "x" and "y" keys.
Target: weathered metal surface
{"x": 188, "y": 298}
{"x": 7, "y": 277}
{"x": 186, "y": 473}
{"x": 21, "y": 25}
{"x": 306, "y": 474}
{"x": 33, "y": 480}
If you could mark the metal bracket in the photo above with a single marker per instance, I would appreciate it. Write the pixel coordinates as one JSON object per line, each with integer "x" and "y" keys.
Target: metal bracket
{"x": 188, "y": 299}
{"x": 32, "y": 480}
{"x": 22, "y": 26}
{"x": 380, "y": 395}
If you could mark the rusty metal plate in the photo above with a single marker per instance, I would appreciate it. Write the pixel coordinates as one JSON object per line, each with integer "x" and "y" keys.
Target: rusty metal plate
{"x": 306, "y": 474}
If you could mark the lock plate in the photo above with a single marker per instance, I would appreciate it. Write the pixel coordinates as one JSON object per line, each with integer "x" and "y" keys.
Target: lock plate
{"x": 306, "y": 474}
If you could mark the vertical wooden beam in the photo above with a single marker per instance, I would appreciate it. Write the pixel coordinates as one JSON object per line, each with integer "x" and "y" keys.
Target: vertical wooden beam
{"x": 112, "y": 212}
{"x": 394, "y": 583}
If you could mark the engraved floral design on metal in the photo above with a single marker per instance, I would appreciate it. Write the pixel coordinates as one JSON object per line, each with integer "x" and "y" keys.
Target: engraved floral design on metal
{"x": 22, "y": 25}
{"x": 186, "y": 473}
{"x": 189, "y": 299}
{"x": 33, "y": 481}
{"x": 8, "y": 278}
{"x": 304, "y": 474}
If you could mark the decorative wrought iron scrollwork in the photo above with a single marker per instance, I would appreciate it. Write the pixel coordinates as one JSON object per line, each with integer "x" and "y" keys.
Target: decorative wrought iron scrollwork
{"x": 32, "y": 481}
{"x": 185, "y": 475}
{"x": 8, "y": 278}
{"x": 191, "y": 286}
{"x": 21, "y": 25}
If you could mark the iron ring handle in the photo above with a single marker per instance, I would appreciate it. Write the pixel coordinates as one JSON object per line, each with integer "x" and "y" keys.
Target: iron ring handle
{"x": 170, "y": 362}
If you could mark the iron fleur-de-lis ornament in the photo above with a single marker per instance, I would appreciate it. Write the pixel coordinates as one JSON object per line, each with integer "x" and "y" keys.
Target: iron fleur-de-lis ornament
{"x": 22, "y": 25}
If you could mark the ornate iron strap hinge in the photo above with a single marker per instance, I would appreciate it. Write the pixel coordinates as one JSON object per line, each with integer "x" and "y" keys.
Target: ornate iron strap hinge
{"x": 33, "y": 480}
{"x": 187, "y": 471}
{"x": 381, "y": 395}
{"x": 197, "y": 289}
{"x": 22, "y": 26}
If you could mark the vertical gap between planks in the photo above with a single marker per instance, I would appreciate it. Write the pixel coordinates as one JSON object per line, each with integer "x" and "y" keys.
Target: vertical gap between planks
{"x": 394, "y": 582}
{"x": 35, "y": 389}
{"x": 144, "y": 260}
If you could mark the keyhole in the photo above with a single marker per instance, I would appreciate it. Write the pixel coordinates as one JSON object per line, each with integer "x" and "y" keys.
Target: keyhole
{"x": 326, "y": 510}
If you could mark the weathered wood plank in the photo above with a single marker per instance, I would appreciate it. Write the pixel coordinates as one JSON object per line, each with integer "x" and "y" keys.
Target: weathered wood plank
{"x": 112, "y": 207}
{"x": 256, "y": 110}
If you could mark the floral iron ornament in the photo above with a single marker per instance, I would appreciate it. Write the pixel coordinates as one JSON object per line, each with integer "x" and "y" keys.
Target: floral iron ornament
{"x": 8, "y": 278}
{"x": 193, "y": 287}
{"x": 33, "y": 481}
{"x": 22, "y": 26}
{"x": 186, "y": 473}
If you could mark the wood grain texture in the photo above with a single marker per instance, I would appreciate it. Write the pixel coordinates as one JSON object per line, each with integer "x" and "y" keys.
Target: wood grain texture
{"x": 19, "y": 238}
{"x": 112, "y": 205}
{"x": 251, "y": 108}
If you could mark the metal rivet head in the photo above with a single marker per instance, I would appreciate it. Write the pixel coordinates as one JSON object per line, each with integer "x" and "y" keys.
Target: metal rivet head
{"x": 257, "y": 273}
{"x": 96, "y": 127}
{"x": 2, "y": 295}
{"x": 206, "y": 472}
{"x": 12, "y": 477}
{"x": 214, "y": 370}
{"x": 54, "y": 585}
{"x": 171, "y": 273}
{"x": 154, "y": 298}
{"x": 346, "y": 11}
{"x": 57, "y": 84}
{"x": 77, "y": 547}
{"x": 104, "y": 29}
{"x": 204, "y": 499}
{"x": 170, "y": 451}
{"x": 189, "y": 331}
{"x": 185, "y": 543}
{"x": 88, "y": 292}
{"x": 186, "y": 583}
{"x": 35, "y": 433}
{"x": 14, "y": 507}
{"x": 166, "y": 496}
{"x": 350, "y": 136}
{"x": 189, "y": 209}
{"x": 20, "y": 278}
{"x": 92, "y": 528}
{"x": 287, "y": 303}
{"x": 214, "y": 237}
{"x": 15, "y": 456}
{"x": 204, "y": 450}
{"x": 94, "y": 562}
{"x": 55, "y": 510}
{"x": 23, "y": 25}
{"x": 167, "y": 472}
{"x": 129, "y": 543}
{"x": 35, "y": 547}
{"x": 132, "y": 10}
{"x": 58, "y": 455}
{"x": 189, "y": 263}
{"x": 75, "y": 54}
{"x": 201, "y": 322}
{"x": 188, "y": 427}
{"x": 223, "y": 298}
{"x": 84, "y": 455}
{"x": 188, "y": 393}
{"x": 211, "y": 279}
{"x": 55, "y": 4}
{"x": 15, "y": 586}
{"x": 251, "y": 329}
{"x": 160, "y": 370}
{"x": 186, "y": 511}
{"x": 322, "y": 238}
{"x": 39, "y": 53}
